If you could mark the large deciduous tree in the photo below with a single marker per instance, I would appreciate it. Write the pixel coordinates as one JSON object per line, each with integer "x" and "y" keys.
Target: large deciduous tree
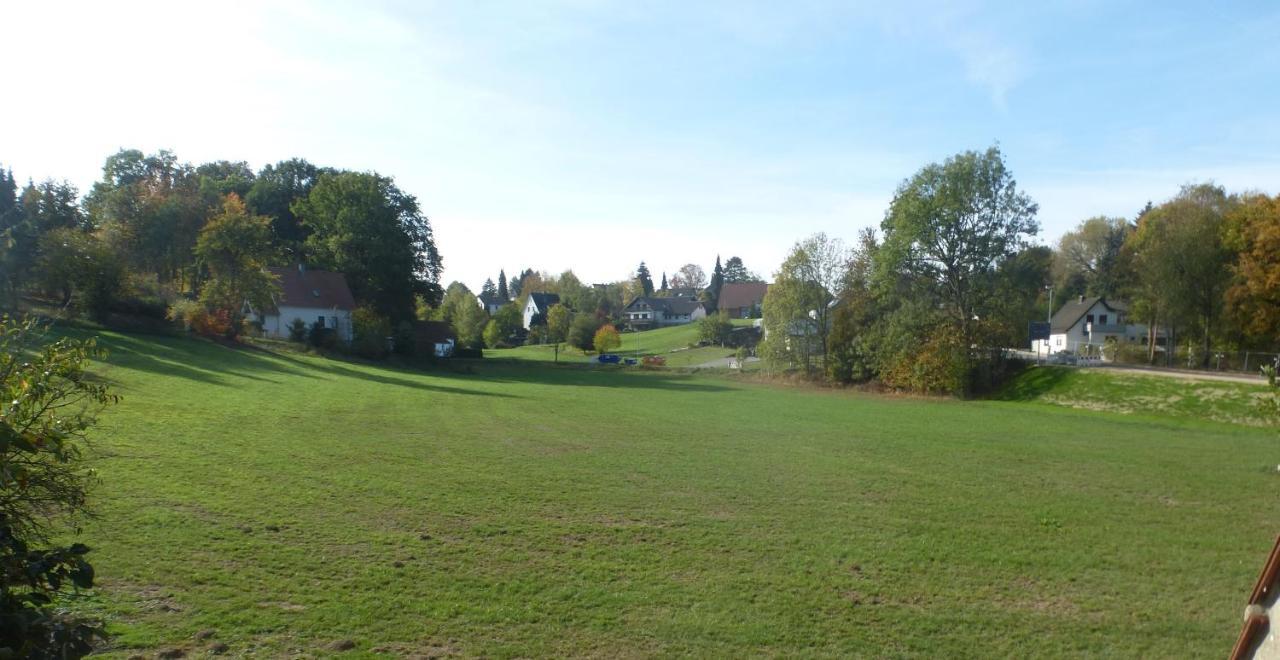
{"x": 234, "y": 247}
{"x": 274, "y": 191}
{"x": 1181, "y": 263}
{"x": 949, "y": 229}
{"x": 1090, "y": 258}
{"x": 797, "y": 307}
{"x": 1253, "y": 300}
{"x": 150, "y": 209}
{"x": 362, "y": 225}
{"x": 689, "y": 276}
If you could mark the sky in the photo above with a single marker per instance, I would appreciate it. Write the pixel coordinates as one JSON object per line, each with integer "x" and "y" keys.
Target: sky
{"x": 593, "y": 135}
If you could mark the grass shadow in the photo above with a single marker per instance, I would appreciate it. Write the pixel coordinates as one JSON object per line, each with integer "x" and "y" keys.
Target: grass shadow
{"x": 1032, "y": 384}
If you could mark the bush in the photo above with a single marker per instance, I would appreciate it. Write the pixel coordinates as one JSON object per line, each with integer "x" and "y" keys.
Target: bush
{"x": 298, "y": 330}
{"x": 606, "y": 339}
{"x": 321, "y": 337}
{"x": 371, "y": 331}
{"x": 937, "y": 367}
{"x": 43, "y": 480}
{"x": 715, "y": 328}
{"x": 582, "y": 332}
{"x": 404, "y": 338}
{"x": 194, "y": 317}
{"x": 182, "y": 311}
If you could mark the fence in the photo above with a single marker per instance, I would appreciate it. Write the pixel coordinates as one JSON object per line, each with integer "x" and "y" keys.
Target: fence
{"x": 1243, "y": 362}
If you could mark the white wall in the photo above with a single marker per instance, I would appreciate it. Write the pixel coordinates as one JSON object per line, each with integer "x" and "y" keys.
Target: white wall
{"x": 277, "y": 325}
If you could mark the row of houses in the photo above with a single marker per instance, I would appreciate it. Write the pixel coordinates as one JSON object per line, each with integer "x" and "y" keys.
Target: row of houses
{"x": 742, "y": 300}
{"x": 323, "y": 299}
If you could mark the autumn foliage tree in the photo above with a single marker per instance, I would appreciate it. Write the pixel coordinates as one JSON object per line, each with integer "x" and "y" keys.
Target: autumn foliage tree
{"x": 235, "y": 247}
{"x": 1253, "y": 299}
{"x": 606, "y": 339}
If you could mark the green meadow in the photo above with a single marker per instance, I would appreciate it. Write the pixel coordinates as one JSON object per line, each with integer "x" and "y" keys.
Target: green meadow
{"x": 672, "y": 343}
{"x": 277, "y": 504}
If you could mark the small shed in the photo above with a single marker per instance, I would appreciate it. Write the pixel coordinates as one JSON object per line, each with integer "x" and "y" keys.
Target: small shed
{"x": 435, "y": 338}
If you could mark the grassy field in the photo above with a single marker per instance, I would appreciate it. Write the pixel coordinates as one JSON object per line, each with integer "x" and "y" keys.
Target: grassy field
{"x": 671, "y": 342}
{"x": 1135, "y": 392}
{"x": 293, "y": 505}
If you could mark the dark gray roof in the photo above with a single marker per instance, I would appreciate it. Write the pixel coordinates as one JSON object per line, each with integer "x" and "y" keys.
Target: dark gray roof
{"x": 544, "y": 301}
{"x": 669, "y": 305}
{"x": 1072, "y": 312}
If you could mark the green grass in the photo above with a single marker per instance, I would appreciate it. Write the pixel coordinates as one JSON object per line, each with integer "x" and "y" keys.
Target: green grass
{"x": 288, "y": 502}
{"x": 671, "y": 343}
{"x": 1133, "y": 392}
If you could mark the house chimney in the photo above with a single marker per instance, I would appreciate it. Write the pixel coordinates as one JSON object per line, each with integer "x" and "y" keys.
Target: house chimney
{"x": 302, "y": 268}
{"x": 1081, "y": 300}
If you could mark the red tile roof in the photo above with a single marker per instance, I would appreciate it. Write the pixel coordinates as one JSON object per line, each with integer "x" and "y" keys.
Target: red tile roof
{"x": 742, "y": 294}
{"x": 318, "y": 289}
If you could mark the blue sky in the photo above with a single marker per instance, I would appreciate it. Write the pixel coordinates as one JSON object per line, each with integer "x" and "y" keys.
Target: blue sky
{"x": 592, "y": 135}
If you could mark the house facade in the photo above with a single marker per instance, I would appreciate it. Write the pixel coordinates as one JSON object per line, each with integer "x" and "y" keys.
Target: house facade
{"x": 743, "y": 300}
{"x": 649, "y": 312}
{"x": 1085, "y": 325}
{"x": 491, "y": 303}
{"x": 317, "y": 297}
{"x": 536, "y": 307}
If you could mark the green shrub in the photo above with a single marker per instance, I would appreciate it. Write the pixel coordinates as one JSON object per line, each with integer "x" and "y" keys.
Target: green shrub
{"x": 371, "y": 331}
{"x": 298, "y": 330}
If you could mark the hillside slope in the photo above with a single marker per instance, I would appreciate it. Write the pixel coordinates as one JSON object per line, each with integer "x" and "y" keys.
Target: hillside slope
{"x": 1134, "y": 392}
{"x": 290, "y": 505}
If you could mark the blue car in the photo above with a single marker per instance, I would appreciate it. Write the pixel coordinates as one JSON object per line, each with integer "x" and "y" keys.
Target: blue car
{"x": 609, "y": 359}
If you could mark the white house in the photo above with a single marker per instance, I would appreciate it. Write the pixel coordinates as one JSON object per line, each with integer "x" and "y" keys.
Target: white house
{"x": 1085, "y": 325}
{"x": 650, "y": 312}
{"x": 316, "y": 297}
{"x": 535, "y": 308}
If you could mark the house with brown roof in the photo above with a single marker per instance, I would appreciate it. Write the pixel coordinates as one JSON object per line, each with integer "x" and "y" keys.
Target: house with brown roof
{"x": 317, "y": 297}
{"x": 743, "y": 300}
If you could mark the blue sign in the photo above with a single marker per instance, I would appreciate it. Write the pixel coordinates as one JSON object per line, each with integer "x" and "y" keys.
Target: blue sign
{"x": 1039, "y": 330}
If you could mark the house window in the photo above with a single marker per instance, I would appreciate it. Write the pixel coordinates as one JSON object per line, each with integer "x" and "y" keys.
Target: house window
{"x": 320, "y": 322}
{"x": 1102, "y": 319}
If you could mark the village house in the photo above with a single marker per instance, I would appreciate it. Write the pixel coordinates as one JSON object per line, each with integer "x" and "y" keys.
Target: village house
{"x": 317, "y": 297}
{"x": 536, "y": 307}
{"x": 1086, "y": 325}
{"x": 651, "y": 312}
{"x": 743, "y": 300}
{"x": 491, "y": 303}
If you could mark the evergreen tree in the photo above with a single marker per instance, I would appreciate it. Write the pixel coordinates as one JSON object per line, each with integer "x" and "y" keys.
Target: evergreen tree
{"x": 503, "y": 293}
{"x": 713, "y": 290}
{"x": 488, "y": 291}
{"x": 644, "y": 280}
{"x": 664, "y": 280}
{"x": 736, "y": 271}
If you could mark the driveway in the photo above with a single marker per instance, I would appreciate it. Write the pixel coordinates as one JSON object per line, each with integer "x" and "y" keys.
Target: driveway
{"x": 1183, "y": 374}
{"x": 723, "y": 363}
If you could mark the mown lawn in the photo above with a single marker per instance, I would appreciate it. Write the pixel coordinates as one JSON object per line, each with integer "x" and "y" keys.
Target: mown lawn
{"x": 290, "y": 505}
{"x": 671, "y": 343}
{"x": 1129, "y": 392}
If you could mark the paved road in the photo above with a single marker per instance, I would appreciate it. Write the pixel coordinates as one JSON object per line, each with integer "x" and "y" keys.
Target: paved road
{"x": 723, "y": 363}
{"x": 1182, "y": 373}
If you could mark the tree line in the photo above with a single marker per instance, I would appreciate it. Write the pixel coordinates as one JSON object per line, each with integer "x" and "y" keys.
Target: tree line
{"x": 951, "y": 278}
{"x": 155, "y": 230}
{"x": 583, "y": 311}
